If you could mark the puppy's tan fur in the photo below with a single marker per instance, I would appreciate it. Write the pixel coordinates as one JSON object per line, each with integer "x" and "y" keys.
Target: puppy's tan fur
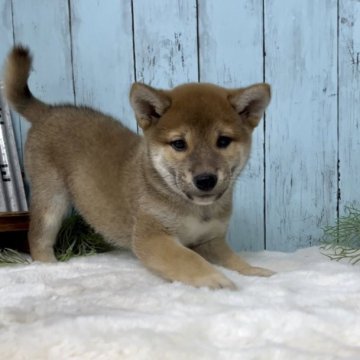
{"x": 139, "y": 192}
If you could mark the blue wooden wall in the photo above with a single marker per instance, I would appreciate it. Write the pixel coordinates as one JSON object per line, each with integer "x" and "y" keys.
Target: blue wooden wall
{"x": 305, "y": 163}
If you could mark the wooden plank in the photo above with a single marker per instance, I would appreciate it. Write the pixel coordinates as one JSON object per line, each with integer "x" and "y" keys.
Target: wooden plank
{"x": 7, "y": 41}
{"x": 301, "y": 127}
{"x": 349, "y": 103}
{"x": 165, "y": 41}
{"x": 14, "y": 221}
{"x": 231, "y": 55}
{"x": 103, "y": 56}
{"x": 44, "y": 27}
{"x": 6, "y": 30}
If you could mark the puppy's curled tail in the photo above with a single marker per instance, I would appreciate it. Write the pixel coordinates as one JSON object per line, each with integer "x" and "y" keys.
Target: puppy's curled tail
{"x": 17, "y": 72}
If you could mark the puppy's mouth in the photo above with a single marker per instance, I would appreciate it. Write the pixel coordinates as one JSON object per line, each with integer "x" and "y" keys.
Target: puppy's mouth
{"x": 205, "y": 199}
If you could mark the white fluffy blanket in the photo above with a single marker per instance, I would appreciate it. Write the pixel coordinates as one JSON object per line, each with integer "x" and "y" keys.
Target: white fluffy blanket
{"x": 109, "y": 307}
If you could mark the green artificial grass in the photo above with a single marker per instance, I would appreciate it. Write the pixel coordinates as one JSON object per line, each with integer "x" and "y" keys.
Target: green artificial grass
{"x": 342, "y": 240}
{"x": 75, "y": 238}
{"x": 12, "y": 257}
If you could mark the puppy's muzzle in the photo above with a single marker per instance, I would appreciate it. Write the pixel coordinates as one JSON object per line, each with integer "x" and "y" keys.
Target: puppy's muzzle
{"x": 205, "y": 181}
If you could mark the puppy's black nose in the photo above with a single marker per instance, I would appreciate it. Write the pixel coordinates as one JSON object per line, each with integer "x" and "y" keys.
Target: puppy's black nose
{"x": 205, "y": 182}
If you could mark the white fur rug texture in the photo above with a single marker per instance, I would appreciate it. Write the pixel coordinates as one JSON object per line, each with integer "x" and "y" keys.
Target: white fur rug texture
{"x": 110, "y": 307}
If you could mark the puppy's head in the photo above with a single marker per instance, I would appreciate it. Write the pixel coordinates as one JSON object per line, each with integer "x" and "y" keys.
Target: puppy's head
{"x": 198, "y": 136}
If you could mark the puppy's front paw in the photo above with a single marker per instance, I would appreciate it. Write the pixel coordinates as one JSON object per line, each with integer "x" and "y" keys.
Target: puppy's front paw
{"x": 257, "y": 271}
{"x": 214, "y": 280}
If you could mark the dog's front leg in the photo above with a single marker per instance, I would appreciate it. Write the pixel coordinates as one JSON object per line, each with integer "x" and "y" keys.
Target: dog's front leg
{"x": 218, "y": 252}
{"x": 163, "y": 254}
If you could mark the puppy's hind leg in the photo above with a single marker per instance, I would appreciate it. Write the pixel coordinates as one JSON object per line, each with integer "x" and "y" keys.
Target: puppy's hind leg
{"x": 49, "y": 205}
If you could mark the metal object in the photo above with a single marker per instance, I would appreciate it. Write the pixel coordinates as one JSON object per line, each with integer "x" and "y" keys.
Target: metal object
{"x": 12, "y": 193}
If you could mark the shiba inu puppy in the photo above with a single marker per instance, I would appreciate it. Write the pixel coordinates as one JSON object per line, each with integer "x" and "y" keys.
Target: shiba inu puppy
{"x": 167, "y": 195}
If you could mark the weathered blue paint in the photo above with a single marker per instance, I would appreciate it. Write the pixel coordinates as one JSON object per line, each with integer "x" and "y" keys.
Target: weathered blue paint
{"x": 44, "y": 27}
{"x": 89, "y": 51}
{"x": 6, "y": 42}
{"x": 6, "y": 29}
{"x": 102, "y": 56}
{"x": 349, "y": 103}
{"x": 231, "y": 49}
{"x": 165, "y": 42}
{"x": 301, "y": 124}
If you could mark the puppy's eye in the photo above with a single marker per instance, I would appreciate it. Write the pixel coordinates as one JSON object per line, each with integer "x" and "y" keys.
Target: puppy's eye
{"x": 178, "y": 145}
{"x": 223, "y": 142}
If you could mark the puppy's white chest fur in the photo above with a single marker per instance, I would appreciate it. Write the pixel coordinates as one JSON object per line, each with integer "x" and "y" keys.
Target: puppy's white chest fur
{"x": 192, "y": 230}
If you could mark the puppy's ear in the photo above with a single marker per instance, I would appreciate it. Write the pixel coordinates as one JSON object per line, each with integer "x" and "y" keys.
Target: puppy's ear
{"x": 250, "y": 102}
{"x": 148, "y": 103}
